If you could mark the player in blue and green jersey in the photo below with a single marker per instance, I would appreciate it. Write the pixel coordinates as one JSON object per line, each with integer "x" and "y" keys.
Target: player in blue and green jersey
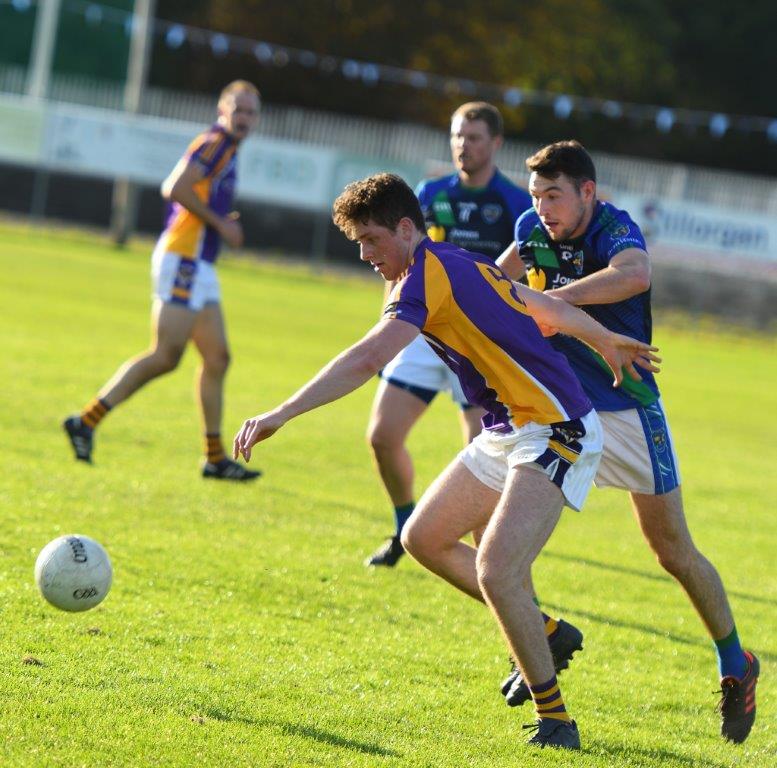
{"x": 474, "y": 208}
{"x": 591, "y": 254}
{"x": 187, "y": 298}
{"x": 539, "y": 449}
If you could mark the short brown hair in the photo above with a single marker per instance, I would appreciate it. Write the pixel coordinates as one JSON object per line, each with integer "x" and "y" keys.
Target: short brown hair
{"x": 239, "y": 86}
{"x": 482, "y": 110}
{"x": 384, "y": 198}
{"x": 567, "y": 157}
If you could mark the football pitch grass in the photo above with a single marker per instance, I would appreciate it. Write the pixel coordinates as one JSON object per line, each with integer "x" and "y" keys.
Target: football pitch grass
{"x": 242, "y": 628}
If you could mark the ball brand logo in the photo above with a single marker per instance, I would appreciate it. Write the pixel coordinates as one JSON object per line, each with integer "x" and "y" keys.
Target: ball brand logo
{"x": 78, "y": 549}
{"x": 83, "y": 594}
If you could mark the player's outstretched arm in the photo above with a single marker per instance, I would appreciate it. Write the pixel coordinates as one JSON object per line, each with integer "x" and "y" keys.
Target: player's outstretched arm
{"x": 348, "y": 371}
{"x": 620, "y": 352}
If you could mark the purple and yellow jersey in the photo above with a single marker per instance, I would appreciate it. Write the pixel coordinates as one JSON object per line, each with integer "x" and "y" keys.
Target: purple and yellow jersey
{"x": 469, "y": 312}
{"x": 214, "y": 151}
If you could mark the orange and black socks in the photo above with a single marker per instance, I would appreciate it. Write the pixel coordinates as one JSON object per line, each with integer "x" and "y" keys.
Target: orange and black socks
{"x": 94, "y": 412}
{"x": 214, "y": 449}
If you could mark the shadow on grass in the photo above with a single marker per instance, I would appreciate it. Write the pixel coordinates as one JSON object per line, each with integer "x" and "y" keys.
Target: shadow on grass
{"x": 627, "y": 754}
{"x": 306, "y": 731}
{"x": 325, "y": 737}
{"x": 648, "y": 630}
{"x": 647, "y": 575}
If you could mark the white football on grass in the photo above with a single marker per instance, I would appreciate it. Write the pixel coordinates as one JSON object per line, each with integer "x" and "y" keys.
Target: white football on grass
{"x": 73, "y": 572}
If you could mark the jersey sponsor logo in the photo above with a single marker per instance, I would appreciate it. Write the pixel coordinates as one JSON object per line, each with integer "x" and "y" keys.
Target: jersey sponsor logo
{"x": 463, "y": 234}
{"x": 466, "y": 209}
{"x": 491, "y": 212}
{"x": 442, "y": 208}
{"x": 559, "y": 280}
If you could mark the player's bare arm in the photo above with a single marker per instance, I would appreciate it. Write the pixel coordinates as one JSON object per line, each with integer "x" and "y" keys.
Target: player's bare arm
{"x": 620, "y": 352}
{"x": 179, "y": 186}
{"x": 511, "y": 262}
{"x": 347, "y": 372}
{"x": 388, "y": 287}
{"x": 627, "y": 275}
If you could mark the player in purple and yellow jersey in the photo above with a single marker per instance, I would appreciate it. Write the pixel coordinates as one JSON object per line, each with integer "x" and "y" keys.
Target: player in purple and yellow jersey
{"x": 474, "y": 208}
{"x": 541, "y": 442}
{"x": 187, "y": 300}
{"x": 592, "y": 254}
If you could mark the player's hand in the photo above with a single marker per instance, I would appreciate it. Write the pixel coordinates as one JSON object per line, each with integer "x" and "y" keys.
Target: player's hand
{"x": 623, "y": 353}
{"x": 231, "y": 230}
{"x": 254, "y": 431}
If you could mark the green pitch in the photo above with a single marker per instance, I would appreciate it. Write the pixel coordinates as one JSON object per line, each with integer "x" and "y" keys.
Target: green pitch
{"x": 242, "y": 628}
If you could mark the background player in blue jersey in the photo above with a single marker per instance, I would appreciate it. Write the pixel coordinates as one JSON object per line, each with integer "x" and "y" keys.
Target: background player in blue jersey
{"x": 591, "y": 254}
{"x": 474, "y": 208}
{"x": 540, "y": 446}
{"x": 187, "y": 300}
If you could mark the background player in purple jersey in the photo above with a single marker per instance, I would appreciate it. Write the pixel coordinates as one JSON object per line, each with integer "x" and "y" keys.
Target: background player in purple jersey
{"x": 541, "y": 441}
{"x": 187, "y": 302}
{"x": 591, "y": 254}
{"x": 474, "y": 208}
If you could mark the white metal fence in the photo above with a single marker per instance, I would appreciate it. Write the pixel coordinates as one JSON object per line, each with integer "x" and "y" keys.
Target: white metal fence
{"x": 421, "y": 145}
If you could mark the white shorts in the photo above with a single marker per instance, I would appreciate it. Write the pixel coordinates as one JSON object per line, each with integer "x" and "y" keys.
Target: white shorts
{"x": 568, "y": 453}
{"x": 638, "y": 452}
{"x": 417, "y": 367}
{"x": 184, "y": 281}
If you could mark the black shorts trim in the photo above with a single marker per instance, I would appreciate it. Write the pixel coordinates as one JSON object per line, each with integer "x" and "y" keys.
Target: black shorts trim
{"x": 422, "y": 393}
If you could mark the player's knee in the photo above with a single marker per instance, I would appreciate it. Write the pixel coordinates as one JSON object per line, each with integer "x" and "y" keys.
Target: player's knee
{"x": 415, "y": 541}
{"x": 218, "y": 362}
{"x": 166, "y": 358}
{"x": 381, "y": 440}
{"x": 494, "y": 576}
{"x": 675, "y": 558}
{"x": 419, "y": 540}
{"x": 408, "y": 539}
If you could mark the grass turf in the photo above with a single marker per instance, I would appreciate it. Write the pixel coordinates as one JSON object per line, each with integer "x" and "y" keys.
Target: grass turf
{"x": 242, "y": 628}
